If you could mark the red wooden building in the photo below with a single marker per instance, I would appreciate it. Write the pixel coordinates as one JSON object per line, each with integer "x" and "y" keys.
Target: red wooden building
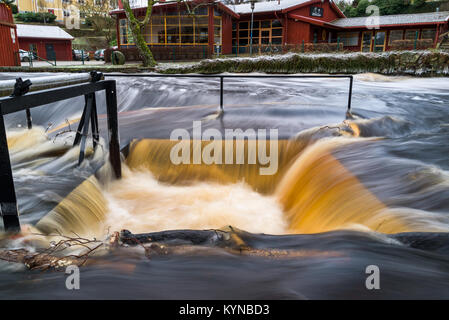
{"x": 9, "y": 45}
{"x": 276, "y": 23}
{"x": 48, "y": 42}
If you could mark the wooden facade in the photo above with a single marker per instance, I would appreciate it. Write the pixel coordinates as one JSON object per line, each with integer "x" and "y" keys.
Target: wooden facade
{"x": 49, "y": 49}
{"x": 294, "y": 23}
{"x": 9, "y": 48}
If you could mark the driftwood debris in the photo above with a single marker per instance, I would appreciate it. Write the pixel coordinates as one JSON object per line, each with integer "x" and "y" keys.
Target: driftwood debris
{"x": 174, "y": 242}
{"x": 55, "y": 257}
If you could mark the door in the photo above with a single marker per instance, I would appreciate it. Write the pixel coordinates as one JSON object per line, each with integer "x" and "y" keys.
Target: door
{"x": 265, "y": 39}
{"x": 50, "y": 52}
{"x": 379, "y": 41}
{"x": 367, "y": 39}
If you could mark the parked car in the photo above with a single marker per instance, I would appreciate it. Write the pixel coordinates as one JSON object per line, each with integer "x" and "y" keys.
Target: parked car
{"x": 99, "y": 54}
{"x": 25, "y": 55}
{"x": 78, "y": 55}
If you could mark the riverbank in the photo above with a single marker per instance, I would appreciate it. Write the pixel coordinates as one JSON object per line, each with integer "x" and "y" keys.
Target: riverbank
{"x": 411, "y": 63}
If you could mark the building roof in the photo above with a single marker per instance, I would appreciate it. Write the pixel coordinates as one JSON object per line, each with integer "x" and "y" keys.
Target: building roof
{"x": 398, "y": 19}
{"x": 237, "y": 9}
{"x": 39, "y": 31}
{"x": 273, "y": 5}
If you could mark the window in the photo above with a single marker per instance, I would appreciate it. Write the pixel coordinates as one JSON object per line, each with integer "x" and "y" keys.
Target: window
{"x": 201, "y": 11}
{"x": 411, "y": 34}
{"x": 178, "y": 28}
{"x": 428, "y": 34}
{"x": 379, "y": 41}
{"x": 395, "y": 35}
{"x": 125, "y": 36}
{"x": 264, "y": 33}
{"x": 349, "y": 39}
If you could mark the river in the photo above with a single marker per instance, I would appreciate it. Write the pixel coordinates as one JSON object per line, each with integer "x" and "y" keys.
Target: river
{"x": 346, "y": 193}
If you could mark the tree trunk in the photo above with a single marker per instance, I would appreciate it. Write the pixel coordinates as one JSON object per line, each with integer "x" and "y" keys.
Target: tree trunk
{"x": 136, "y": 30}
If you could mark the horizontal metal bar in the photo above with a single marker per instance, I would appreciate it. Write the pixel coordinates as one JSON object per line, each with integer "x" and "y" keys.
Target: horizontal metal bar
{"x": 39, "y": 98}
{"x": 145, "y": 75}
{"x": 48, "y": 82}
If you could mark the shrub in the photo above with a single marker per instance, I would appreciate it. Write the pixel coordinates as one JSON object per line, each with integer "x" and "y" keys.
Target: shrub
{"x": 118, "y": 58}
{"x": 36, "y": 17}
{"x": 160, "y": 53}
{"x": 410, "y": 44}
{"x": 314, "y": 47}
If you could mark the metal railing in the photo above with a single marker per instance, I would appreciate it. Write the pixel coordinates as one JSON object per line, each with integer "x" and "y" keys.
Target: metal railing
{"x": 21, "y": 100}
{"x": 222, "y": 77}
{"x": 33, "y": 56}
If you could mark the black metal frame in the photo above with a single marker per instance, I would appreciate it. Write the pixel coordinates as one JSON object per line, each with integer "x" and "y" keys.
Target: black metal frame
{"x": 8, "y": 201}
{"x": 222, "y": 77}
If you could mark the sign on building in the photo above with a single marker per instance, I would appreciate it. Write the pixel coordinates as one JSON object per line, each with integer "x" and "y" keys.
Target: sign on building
{"x": 316, "y": 12}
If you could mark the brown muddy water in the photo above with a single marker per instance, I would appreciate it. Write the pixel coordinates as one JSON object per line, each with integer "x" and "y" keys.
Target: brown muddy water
{"x": 373, "y": 190}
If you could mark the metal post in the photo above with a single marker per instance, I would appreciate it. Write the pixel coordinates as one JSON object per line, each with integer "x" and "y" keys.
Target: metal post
{"x": 94, "y": 122}
{"x": 221, "y": 93}
{"x": 82, "y": 55}
{"x": 114, "y": 145}
{"x": 30, "y": 57}
{"x": 416, "y": 40}
{"x": 86, "y": 128}
{"x": 8, "y": 201}
{"x": 81, "y": 123}
{"x": 251, "y": 32}
{"x": 29, "y": 120}
{"x": 351, "y": 80}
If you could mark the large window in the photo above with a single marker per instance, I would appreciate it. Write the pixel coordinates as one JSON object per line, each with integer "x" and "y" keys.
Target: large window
{"x": 428, "y": 34}
{"x": 411, "y": 34}
{"x": 264, "y": 33}
{"x": 349, "y": 39}
{"x": 125, "y": 33}
{"x": 395, "y": 35}
{"x": 177, "y": 28}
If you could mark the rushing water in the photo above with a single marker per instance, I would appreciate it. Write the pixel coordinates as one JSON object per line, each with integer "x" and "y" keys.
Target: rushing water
{"x": 343, "y": 193}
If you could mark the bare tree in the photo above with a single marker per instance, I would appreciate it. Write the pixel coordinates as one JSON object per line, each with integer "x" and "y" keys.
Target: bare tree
{"x": 136, "y": 26}
{"x": 97, "y": 11}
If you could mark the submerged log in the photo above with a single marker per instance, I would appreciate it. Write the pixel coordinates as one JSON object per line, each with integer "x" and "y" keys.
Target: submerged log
{"x": 204, "y": 242}
{"x": 196, "y": 237}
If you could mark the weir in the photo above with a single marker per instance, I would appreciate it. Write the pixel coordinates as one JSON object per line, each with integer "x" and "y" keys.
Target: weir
{"x": 26, "y": 95}
{"x": 56, "y": 89}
